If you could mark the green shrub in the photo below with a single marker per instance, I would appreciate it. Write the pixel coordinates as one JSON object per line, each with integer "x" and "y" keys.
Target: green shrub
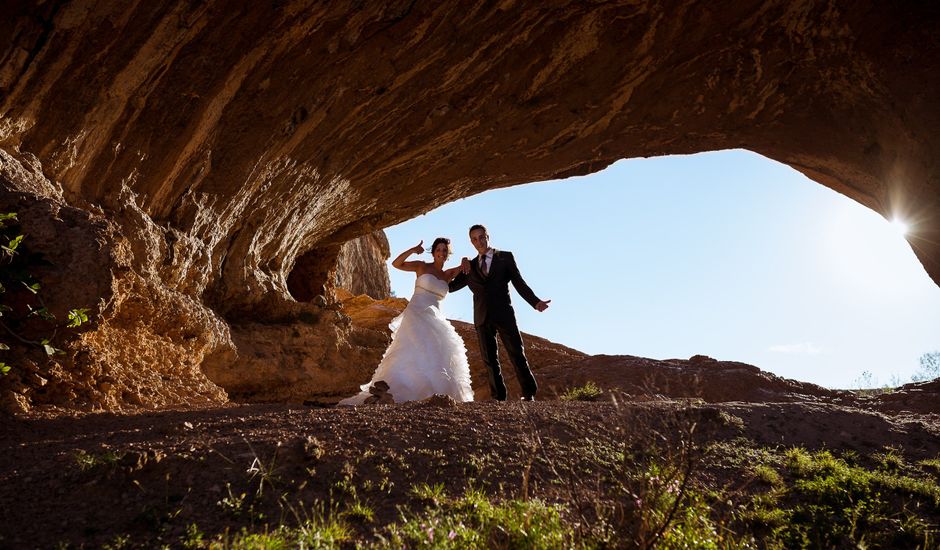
{"x": 473, "y": 521}
{"x": 588, "y": 392}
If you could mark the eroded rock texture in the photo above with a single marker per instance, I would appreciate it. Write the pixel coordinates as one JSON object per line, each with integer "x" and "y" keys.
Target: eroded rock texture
{"x": 223, "y": 153}
{"x": 360, "y": 266}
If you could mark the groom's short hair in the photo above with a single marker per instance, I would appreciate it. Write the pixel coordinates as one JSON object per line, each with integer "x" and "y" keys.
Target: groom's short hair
{"x": 477, "y": 226}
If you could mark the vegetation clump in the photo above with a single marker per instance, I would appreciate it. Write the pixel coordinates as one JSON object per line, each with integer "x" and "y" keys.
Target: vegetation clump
{"x": 24, "y": 316}
{"x": 588, "y": 392}
{"x": 819, "y": 500}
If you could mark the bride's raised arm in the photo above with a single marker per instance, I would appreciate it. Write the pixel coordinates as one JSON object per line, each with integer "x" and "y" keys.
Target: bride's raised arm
{"x": 400, "y": 263}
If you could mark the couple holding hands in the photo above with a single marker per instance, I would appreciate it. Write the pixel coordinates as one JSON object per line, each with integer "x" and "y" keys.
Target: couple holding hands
{"x": 427, "y": 356}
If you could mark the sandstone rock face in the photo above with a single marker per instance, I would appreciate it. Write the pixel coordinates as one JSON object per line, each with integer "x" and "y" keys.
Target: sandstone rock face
{"x": 224, "y": 154}
{"x": 307, "y": 354}
{"x": 146, "y": 342}
{"x": 360, "y": 266}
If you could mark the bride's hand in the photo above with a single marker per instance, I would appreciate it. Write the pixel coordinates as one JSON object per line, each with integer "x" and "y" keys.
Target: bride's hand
{"x": 418, "y": 249}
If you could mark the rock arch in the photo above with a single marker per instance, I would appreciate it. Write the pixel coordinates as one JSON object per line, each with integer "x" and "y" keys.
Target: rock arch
{"x": 219, "y": 145}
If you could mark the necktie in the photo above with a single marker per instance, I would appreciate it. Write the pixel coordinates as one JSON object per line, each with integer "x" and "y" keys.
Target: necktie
{"x": 483, "y": 269}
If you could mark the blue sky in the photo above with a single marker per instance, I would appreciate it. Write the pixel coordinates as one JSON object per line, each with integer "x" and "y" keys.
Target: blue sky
{"x": 726, "y": 254}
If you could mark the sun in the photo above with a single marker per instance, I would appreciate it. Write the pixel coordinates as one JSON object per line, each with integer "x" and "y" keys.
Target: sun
{"x": 900, "y": 226}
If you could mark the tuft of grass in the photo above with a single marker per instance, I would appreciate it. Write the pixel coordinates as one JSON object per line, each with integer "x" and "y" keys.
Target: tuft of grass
{"x": 930, "y": 464}
{"x": 431, "y": 493}
{"x": 233, "y": 505}
{"x": 767, "y": 474}
{"x": 588, "y": 392}
{"x": 359, "y": 511}
{"x": 87, "y": 461}
{"x": 890, "y": 460}
{"x": 194, "y": 538}
{"x": 731, "y": 420}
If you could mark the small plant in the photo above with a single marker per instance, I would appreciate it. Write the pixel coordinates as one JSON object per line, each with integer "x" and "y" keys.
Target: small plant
{"x": 929, "y": 367}
{"x": 931, "y": 464}
{"x": 87, "y": 461}
{"x": 77, "y": 317}
{"x": 729, "y": 419}
{"x": 194, "y": 538}
{"x": 431, "y": 493}
{"x": 588, "y": 392}
{"x": 119, "y": 542}
{"x": 264, "y": 471}
{"x": 232, "y": 504}
{"x": 360, "y": 512}
{"x": 865, "y": 381}
{"x": 768, "y": 475}
{"x": 890, "y": 460}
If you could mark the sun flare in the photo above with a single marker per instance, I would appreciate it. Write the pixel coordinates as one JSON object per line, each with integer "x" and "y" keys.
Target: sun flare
{"x": 900, "y": 226}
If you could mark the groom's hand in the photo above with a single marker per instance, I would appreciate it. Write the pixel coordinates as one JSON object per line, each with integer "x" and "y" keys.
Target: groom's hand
{"x": 543, "y": 305}
{"x": 465, "y": 266}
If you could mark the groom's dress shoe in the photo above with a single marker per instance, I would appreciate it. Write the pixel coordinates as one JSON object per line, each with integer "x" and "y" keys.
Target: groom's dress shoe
{"x": 528, "y": 398}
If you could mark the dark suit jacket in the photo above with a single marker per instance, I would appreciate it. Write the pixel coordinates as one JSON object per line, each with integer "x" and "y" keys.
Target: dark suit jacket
{"x": 491, "y": 293}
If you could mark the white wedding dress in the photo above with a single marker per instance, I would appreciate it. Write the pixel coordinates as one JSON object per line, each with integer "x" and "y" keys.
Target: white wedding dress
{"x": 426, "y": 356}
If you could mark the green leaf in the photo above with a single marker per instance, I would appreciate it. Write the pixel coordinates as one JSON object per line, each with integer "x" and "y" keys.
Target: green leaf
{"x": 4, "y": 368}
{"x": 43, "y": 313}
{"x": 34, "y": 288}
{"x": 4, "y": 346}
{"x": 78, "y": 316}
{"x": 11, "y": 246}
{"x": 49, "y": 349}
{"x": 7, "y": 217}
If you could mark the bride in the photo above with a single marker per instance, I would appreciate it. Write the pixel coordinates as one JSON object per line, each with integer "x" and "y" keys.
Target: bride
{"x": 426, "y": 356}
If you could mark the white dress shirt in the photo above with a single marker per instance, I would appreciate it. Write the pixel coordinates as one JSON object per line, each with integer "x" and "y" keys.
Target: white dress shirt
{"x": 488, "y": 259}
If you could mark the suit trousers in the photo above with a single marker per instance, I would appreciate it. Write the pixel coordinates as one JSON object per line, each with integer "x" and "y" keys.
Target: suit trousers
{"x": 509, "y": 333}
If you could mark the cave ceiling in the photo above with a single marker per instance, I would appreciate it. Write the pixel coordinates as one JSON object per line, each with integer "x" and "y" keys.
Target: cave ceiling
{"x": 264, "y": 131}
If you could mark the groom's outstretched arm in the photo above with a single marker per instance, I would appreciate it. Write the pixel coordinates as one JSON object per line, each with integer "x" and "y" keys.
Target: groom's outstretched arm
{"x": 459, "y": 282}
{"x": 519, "y": 283}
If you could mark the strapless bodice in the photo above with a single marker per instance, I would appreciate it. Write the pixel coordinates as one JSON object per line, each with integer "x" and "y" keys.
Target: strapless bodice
{"x": 430, "y": 283}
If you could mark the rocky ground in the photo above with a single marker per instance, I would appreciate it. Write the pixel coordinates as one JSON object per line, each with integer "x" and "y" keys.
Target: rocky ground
{"x": 191, "y": 476}
{"x": 144, "y": 479}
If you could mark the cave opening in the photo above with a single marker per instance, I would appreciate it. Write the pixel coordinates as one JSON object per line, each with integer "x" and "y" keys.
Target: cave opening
{"x": 357, "y": 266}
{"x": 312, "y": 273}
{"x": 727, "y": 254}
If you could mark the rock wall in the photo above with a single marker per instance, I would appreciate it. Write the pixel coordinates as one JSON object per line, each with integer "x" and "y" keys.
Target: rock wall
{"x": 361, "y": 268}
{"x": 145, "y": 343}
{"x": 224, "y": 153}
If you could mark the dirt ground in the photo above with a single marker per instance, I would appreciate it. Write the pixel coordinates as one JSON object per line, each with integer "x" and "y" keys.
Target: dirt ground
{"x": 85, "y": 480}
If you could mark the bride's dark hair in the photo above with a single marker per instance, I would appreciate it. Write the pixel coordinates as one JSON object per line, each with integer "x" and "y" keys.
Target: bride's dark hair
{"x": 440, "y": 240}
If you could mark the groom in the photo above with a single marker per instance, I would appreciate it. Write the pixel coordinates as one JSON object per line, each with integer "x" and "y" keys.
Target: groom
{"x": 488, "y": 276}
